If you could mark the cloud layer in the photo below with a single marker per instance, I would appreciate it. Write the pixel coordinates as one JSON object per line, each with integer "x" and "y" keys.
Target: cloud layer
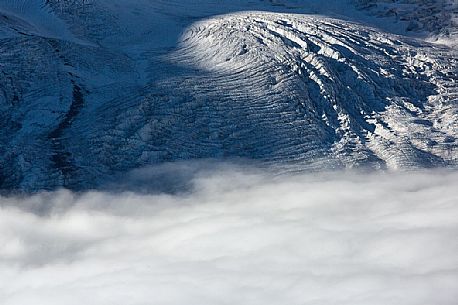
{"x": 239, "y": 237}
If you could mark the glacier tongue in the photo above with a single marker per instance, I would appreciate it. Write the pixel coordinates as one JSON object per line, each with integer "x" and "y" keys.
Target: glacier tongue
{"x": 113, "y": 90}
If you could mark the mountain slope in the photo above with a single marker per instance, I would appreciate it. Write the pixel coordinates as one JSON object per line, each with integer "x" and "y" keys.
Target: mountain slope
{"x": 117, "y": 86}
{"x": 437, "y": 18}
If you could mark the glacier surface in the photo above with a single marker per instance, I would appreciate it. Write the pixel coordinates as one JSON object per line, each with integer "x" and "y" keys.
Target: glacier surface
{"x": 93, "y": 89}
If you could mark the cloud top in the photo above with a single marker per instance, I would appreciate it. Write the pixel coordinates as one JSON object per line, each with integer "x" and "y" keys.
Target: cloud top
{"x": 238, "y": 237}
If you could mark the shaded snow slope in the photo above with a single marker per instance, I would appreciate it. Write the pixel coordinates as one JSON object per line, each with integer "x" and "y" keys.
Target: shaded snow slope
{"x": 32, "y": 17}
{"x": 146, "y": 82}
{"x": 435, "y": 18}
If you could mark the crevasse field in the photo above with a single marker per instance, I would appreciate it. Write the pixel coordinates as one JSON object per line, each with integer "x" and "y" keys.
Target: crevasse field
{"x": 228, "y": 152}
{"x": 238, "y": 237}
{"x": 96, "y": 89}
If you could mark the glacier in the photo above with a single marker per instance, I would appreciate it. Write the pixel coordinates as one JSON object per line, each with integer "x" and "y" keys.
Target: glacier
{"x": 228, "y": 152}
{"x": 93, "y": 89}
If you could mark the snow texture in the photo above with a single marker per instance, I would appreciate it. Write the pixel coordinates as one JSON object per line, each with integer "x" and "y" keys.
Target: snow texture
{"x": 437, "y": 18}
{"x": 32, "y": 17}
{"x": 92, "y": 89}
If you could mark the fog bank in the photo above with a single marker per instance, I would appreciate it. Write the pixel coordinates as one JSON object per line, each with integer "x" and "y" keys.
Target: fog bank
{"x": 238, "y": 237}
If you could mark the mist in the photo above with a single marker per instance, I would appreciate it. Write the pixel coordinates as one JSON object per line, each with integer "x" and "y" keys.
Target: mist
{"x": 236, "y": 236}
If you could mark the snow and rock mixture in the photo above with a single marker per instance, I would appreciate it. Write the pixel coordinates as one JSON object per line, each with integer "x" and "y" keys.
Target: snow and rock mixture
{"x": 91, "y": 89}
{"x": 438, "y": 18}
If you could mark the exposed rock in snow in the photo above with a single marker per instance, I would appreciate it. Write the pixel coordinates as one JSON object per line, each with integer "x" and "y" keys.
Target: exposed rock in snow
{"x": 438, "y": 18}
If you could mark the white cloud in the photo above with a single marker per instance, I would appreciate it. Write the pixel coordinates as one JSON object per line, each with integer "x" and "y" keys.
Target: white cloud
{"x": 240, "y": 237}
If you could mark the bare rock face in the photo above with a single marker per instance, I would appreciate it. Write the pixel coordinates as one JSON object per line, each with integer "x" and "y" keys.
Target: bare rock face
{"x": 93, "y": 89}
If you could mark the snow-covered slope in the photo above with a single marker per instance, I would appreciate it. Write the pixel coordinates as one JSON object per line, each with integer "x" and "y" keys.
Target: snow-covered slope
{"x": 435, "y": 18}
{"x": 94, "y": 88}
{"x": 32, "y": 17}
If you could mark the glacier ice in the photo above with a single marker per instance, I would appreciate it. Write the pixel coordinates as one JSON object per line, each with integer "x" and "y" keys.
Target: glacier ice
{"x": 90, "y": 91}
